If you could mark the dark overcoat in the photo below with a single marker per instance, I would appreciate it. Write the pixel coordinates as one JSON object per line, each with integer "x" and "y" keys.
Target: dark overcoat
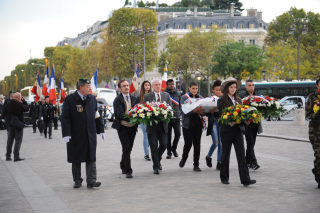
{"x": 78, "y": 120}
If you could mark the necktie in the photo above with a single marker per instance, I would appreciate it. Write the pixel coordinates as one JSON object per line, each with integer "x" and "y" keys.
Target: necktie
{"x": 158, "y": 97}
{"x": 127, "y": 97}
{"x": 84, "y": 98}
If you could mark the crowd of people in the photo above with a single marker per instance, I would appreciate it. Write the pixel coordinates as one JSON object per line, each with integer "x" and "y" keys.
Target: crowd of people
{"x": 81, "y": 122}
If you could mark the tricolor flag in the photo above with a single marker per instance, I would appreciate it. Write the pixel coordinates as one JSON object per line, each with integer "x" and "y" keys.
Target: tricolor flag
{"x": 134, "y": 83}
{"x": 45, "y": 83}
{"x": 62, "y": 91}
{"x": 52, "y": 88}
{"x": 94, "y": 81}
{"x": 37, "y": 87}
{"x": 165, "y": 77}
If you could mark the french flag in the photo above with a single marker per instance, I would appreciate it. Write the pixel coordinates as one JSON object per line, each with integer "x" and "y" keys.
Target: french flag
{"x": 37, "y": 90}
{"x": 134, "y": 83}
{"x": 165, "y": 77}
{"x": 52, "y": 88}
{"x": 45, "y": 83}
{"x": 94, "y": 81}
{"x": 62, "y": 91}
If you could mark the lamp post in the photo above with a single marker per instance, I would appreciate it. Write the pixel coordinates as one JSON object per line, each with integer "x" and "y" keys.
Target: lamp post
{"x": 25, "y": 78}
{"x": 264, "y": 72}
{"x": 115, "y": 83}
{"x": 199, "y": 79}
{"x": 145, "y": 31}
{"x": 301, "y": 28}
{"x": 179, "y": 74}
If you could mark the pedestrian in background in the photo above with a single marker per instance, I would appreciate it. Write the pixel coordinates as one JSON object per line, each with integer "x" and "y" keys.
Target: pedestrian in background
{"x": 15, "y": 107}
{"x": 3, "y": 115}
{"x": 47, "y": 114}
{"x": 40, "y": 122}
{"x": 33, "y": 114}
{"x": 145, "y": 89}
{"x": 57, "y": 112}
{"x": 1, "y": 109}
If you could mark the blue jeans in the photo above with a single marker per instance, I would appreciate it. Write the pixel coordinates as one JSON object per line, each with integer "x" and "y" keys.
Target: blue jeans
{"x": 216, "y": 140}
{"x": 145, "y": 139}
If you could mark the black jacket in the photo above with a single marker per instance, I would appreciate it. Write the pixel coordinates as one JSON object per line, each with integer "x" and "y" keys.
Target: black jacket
{"x": 246, "y": 94}
{"x": 33, "y": 110}
{"x": 16, "y": 108}
{"x": 119, "y": 106}
{"x": 186, "y": 117}
{"x": 177, "y": 96}
{"x": 47, "y": 111}
{"x": 228, "y": 128}
{"x": 3, "y": 115}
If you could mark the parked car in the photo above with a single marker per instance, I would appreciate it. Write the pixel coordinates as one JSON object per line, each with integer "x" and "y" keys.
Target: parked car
{"x": 289, "y": 103}
{"x": 111, "y": 111}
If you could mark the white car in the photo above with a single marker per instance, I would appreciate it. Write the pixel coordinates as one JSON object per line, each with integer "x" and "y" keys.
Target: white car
{"x": 290, "y": 103}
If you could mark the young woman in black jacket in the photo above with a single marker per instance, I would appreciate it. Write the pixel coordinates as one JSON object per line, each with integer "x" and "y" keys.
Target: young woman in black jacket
{"x": 232, "y": 134}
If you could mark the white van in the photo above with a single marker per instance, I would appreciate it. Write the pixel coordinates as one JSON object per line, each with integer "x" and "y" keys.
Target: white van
{"x": 27, "y": 94}
{"x": 107, "y": 94}
{"x": 289, "y": 103}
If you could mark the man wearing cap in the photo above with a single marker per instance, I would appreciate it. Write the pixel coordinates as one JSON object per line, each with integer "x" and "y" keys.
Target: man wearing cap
{"x": 251, "y": 130}
{"x": 46, "y": 115}
{"x": 33, "y": 114}
{"x": 3, "y": 115}
{"x": 313, "y": 113}
{"x": 80, "y": 122}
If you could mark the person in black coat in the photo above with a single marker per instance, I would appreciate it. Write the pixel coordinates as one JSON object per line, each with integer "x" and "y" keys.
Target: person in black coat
{"x": 3, "y": 115}
{"x": 40, "y": 122}
{"x": 46, "y": 115}
{"x": 126, "y": 131}
{"x": 80, "y": 122}
{"x": 232, "y": 134}
{"x": 1, "y": 109}
{"x": 33, "y": 114}
{"x": 251, "y": 130}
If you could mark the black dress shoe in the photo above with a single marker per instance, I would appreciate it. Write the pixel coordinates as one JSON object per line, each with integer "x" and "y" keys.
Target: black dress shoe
{"x": 146, "y": 157}
{"x": 218, "y": 166}
{"x": 8, "y": 159}
{"x": 175, "y": 153}
{"x": 182, "y": 163}
{"x": 160, "y": 167}
{"x": 209, "y": 161}
{"x": 169, "y": 156}
{"x": 50, "y": 137}
{"x": 129, "y": 175}
{"x": 18, "y": 159}
{"x": 34, "y": 131}
{"x": 77, "y": 185}
{"x": 45, "y": 136}
{"x": 318, "y": 185}
{"x": 196, "y": 169}
{"x": 95, "y": 184}
{"x": 124, "y": 171}
{"x": 156, "y": 171}
{"x": 249, "y": 182}
{"x": 225, "y": 182}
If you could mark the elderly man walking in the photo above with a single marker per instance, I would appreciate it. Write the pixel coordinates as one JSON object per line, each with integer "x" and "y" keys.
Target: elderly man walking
{"x": 15, "y": 107}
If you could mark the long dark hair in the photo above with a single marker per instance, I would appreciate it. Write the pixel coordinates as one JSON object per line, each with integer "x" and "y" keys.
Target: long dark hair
{"x": 225, "y": 98}
{"x": 142, "y": 90}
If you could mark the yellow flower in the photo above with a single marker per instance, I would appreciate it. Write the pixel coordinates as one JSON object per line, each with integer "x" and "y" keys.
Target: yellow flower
{"x": 225, "y": 117}
{"x": 235, "y": 113}
{"x": 254, "y": 115}
{"x": 246, "y": 106}
{"x": 316, "y": 108}
{"x": 242, "y": 109}
{"x": 237, "y": 108}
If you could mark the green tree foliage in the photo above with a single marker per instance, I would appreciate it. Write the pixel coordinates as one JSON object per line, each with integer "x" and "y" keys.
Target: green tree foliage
{"x": 141, "y": 4}
{"x": 208, "y": 3}
{"x": 121, "y": 48}
{"x": 150, "y": 4}
{"x": 126, "y": 2}
{"x": 190, "y": 3}
{"x": 61, "y": 57}
{"x": 239, "y": 60}
{"x": 225, "y": 5}
{"x": 48, "y": 52}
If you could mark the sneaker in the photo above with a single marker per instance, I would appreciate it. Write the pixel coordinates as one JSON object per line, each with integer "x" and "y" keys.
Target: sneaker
{"x": 218, "y": 166}
{"x": 196, "y": 169}
{"x": 147, "y": 158}
{"x": 182, "y": 163}
{"x": 250, "y": 166}
{"x": 255, "y": 167}
{"x": 209, "y": 161}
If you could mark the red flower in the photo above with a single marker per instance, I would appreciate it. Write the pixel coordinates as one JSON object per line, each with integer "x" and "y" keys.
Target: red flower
{"x": 258, "y": 100}
{"x": 251, "y": 120}
{"x": 238, "y": 110}
{"x": 246, "y": 102}
{"x": 257, "y": 116}
{"x": 130, "y": 114}
{"x": 230, "y": 114}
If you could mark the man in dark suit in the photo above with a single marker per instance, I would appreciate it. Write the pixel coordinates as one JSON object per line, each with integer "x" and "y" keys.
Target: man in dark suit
{"x": 157, "y": 132}
{"x": 126, "y": 131}
{"x": 3, "y": 115}
{"x": 33, "y": 114}
{"x": 46, "y": 115}
{"x": 80, "y": 122}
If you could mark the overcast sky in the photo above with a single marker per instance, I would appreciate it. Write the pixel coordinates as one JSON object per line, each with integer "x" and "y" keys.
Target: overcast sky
{"x": 34, "y": 24}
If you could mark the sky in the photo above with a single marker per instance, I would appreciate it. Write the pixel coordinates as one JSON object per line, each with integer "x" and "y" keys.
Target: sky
{"x": 32, "y": 25}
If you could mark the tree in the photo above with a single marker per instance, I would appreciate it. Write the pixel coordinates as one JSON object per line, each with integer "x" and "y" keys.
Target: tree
{"x": 126, "y": 2}
{"x": 121, "y": 48}
{"x": 61, "y": 57}
{"x": 239, "y": 60}
{"x": 208, "y": 3}
{"x": 141, "y": 4}
{"x": 190, "y": 3}
{"x": 48, "y": 52}
{"x": 77, "y": 66}
{"x": 225, "y": 5}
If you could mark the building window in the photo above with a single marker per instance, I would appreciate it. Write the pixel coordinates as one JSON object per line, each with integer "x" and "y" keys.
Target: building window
{"x": 203, "y": 26}
{"x": 214, "y": 25}
{"x": 240, "y": 26}
{"x": 241, "y": 41}
{"x": 167, "y": 26}
{"x": 226, "y": 26}
{"x": 189, "y": 26}
{"x": 251, "y": 26}
{"x": 178, "y": 26}
{"x": 159, "y": 28}
{"x": 252, "y": 41}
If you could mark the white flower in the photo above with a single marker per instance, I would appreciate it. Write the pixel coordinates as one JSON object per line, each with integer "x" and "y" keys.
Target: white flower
{"x": 142, "y": 115}
{"x": 140, "y": 110}
{"x": 145, "y": 108}
{"x": 171, "y": 113}
{"x": 165, "y": 116}
{"x": 156, "y": 113}
{"x": 135, "y": 115}
{"x": 148, "y": 114}
{"x": 164, "y": 112}
{"x": 277, "y": 104}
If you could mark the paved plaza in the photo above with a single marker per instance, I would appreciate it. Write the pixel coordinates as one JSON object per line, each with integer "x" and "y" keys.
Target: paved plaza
{"x": 43, "y": 182}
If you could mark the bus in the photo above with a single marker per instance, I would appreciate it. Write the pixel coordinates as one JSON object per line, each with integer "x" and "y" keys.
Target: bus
{"x": 27, "y": 94}
{"x": 281, "y": 89}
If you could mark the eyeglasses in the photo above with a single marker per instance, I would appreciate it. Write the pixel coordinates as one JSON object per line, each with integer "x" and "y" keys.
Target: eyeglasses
{"x": 125, "y": 86}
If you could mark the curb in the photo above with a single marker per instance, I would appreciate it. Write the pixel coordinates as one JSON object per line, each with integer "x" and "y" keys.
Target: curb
{"x": 284, "y": 137}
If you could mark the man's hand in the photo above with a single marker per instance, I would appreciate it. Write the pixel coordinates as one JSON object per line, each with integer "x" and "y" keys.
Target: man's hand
{"x": 42, "y": 118}
{"x": 102, "y": 136}
{"x": 67, "y": 139}
{"x": 199, "y": 110}
{"x": 213, "y": 110}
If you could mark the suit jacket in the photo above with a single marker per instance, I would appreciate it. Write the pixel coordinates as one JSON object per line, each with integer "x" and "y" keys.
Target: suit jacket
{"x": 16, "y": 108}
{"x": 33, "y": 110}
{"x": 119, "y": 106}
{"x": 3, "y": 115}
{"x": 228, "y": 128}
{"x": 165, "y": 97}
{"x": 45, "y": 109}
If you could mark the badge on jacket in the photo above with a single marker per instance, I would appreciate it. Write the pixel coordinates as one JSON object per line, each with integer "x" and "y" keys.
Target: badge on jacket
{"x": 79, "y": 108}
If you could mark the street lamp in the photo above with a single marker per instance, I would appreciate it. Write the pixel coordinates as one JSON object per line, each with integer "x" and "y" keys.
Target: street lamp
{"x": 145, "y": 31}
{"x": 301, "y": 28}
{"x": 41, "y": 65}
{"x": 114, "y": 83}
{"x": 179, "y": 74}
{"x": 264, "y": 72}
{"x": 199, "y": 79}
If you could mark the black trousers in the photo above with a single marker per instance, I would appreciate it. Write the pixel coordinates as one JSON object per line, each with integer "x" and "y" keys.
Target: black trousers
{"x": 46, "y": 125}
{"x": 252, "y": 130}
{"x": 55, "y": 122}
{"x": 157, "y": 152}
{"x": 227, "y": 139}
{"x": 175, "y": 125}
{"x": 91, "y": 172}
{"x": 192, "y": 136}
{"x": 17, "y": 136}
{"x": 126, "y": 136}
{"x": 34, "y": 124}
{"x": 40, "y": 126}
